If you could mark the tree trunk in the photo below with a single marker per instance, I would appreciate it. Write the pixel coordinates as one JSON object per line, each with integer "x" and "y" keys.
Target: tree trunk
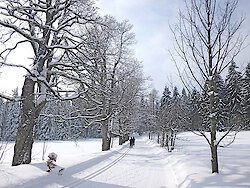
{"x": 121, "y": 140}
{"x": 213, "y": 146}
{"x": 213, "y": 127}
{"x": 167, "y": 142}
{"x": 25, "y": 131}
{"x": 173, "y": 137}
{"x": 24, "y": 138}
{"x": 214, "y": 159}
{"x": 126, "y": 138}
{"x": 105, "y": 136}
{"x": 163, "y": 139}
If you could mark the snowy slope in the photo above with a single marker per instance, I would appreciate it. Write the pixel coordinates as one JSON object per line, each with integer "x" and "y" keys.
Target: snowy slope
{"x": 145, "y": 166}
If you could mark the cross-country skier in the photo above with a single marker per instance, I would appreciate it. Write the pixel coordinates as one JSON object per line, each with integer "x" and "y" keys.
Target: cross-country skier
{"x": 50, "y": 163}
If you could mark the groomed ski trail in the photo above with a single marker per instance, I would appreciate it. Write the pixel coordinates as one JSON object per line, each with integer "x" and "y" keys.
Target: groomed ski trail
{"x": 137, "y": 167}
{"x": 143, "y": 166}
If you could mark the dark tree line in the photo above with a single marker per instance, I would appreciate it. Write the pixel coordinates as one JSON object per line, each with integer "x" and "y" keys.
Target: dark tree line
{"x": 59, "y": 120}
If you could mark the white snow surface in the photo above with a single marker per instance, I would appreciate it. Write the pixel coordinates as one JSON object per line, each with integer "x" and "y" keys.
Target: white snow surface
{"x": 146, "y": 165}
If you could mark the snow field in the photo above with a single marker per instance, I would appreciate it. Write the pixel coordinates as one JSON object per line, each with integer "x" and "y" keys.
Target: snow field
{"x": 147, "y": 165}
{"x": 192, "y": 168}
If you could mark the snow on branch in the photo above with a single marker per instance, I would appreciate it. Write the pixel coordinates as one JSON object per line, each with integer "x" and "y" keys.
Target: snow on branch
{"x": 14, "y": 47}
{"x": 10, "y": 98}
{"x": 19, "y": 30}
{"x": 16, "y": 65}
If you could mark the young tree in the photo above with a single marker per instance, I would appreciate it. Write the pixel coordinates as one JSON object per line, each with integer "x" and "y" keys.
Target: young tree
{"x": 206, "y": 41}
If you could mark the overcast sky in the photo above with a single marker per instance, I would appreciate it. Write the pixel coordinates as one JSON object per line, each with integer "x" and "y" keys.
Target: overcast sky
{"x": 151, "y": 20}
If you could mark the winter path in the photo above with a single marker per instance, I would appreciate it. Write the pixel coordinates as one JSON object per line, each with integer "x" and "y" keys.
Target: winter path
{"x": 143, "y": 166}
{"x": 140, "y": 167}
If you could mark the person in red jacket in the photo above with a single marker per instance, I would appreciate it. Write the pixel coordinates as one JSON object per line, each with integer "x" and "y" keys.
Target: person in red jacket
{"x": 51, "y": 164}
{"x": 51, "y": 160}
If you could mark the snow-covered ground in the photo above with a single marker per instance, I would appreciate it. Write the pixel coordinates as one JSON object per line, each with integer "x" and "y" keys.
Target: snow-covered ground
{"x": 145, "y": 166}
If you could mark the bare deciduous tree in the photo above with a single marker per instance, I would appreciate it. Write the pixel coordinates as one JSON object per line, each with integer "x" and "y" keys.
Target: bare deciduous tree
{"x": 207, "y": 41}
{"x": 49, "y": 27}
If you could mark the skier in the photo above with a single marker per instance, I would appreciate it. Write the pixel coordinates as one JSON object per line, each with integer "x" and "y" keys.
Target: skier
{"x": 50, "y": 163}
{"x": 131, "y": 142}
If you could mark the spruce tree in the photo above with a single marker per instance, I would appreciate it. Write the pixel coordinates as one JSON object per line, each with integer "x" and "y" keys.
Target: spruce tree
{"x": 163, "y": 115}
{"x": 219, "y": 109}
{"x": 245, "y": 94}
{"x": 233, "y": 95}
{"x": 194, "y": 114}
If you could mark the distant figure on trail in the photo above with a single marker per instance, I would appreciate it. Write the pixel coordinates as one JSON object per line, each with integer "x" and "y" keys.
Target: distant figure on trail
{"x": 50, "y": 163}
{"x": 132, "y": 141}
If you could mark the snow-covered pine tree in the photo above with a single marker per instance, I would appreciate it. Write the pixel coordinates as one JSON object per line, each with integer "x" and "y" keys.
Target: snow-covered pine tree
{"x": 143, "y": 119}
{"x": 2, "y": 119}
{"x": 184, "y": 96}
{"x": 220, "y": 105}
{"x": 9, "y": 121}
{"x": 166, "y": 96}
{"x": 176, "y": 119}
{"x": 163, "y": 116}
{"x": 219, "y": 111}
{"x": 153, "y": 100}
{"x": 13, "y": 117}
{"x": 245, "y": 100}
{"x": 233, "y": 85}
{"x": 184, "y": 109}
{"x": 204, "y": 108}
{"x": 9, "y": 118}
{"x": 59, "y": 120}
{"x": 194, "y": 113}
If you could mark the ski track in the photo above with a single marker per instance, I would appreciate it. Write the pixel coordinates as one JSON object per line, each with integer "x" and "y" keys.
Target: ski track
{"x": 143, "y": 166}
{"x": 140, "y": 167}
{"x": 97, "y": 172}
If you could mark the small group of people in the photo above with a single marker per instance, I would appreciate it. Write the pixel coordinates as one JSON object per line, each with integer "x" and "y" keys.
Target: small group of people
{"x": 132, "y": 141}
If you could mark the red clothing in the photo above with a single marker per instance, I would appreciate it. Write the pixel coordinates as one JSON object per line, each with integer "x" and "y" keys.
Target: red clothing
{"x": 50, "y": 163}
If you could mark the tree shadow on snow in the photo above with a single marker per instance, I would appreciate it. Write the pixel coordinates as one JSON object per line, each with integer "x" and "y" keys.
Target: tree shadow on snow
{"x": 220, "y": 180}
{"x": 234, "y": 174}
{"x": 67, "y": 180}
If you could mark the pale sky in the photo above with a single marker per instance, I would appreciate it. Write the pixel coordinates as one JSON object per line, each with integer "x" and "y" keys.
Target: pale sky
{"x": 151, "y": 20}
